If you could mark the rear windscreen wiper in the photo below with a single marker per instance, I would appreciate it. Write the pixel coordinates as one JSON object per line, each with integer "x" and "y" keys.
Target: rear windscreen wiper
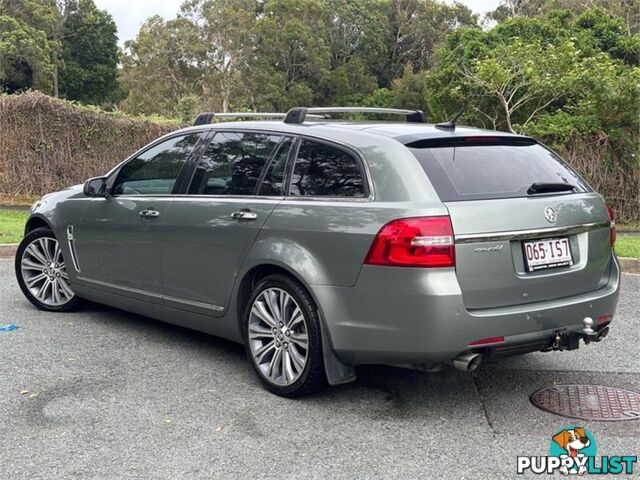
{"x": 536, "y": 188}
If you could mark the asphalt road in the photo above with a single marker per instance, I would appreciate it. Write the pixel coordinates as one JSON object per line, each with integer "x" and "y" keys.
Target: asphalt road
{"x": 116, "y": 395}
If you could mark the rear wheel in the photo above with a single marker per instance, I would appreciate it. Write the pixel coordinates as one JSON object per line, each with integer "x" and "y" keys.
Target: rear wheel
{"x": 282, "y": 337}
{"x": 42, "y": 274}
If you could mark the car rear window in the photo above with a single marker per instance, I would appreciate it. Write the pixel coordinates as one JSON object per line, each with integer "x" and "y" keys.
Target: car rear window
{"x": 467, "y": 169}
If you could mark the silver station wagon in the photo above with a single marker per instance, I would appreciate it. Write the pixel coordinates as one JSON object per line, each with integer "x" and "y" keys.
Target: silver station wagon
{"x": 322, "y": 244}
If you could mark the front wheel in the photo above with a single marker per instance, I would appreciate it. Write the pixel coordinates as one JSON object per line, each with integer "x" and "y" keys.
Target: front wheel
{"x": 283, "y": 338}
{"x": 42, "y": 274}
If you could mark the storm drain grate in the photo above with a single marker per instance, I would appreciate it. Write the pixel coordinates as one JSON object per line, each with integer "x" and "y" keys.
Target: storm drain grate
{"x": 589, "y": 402}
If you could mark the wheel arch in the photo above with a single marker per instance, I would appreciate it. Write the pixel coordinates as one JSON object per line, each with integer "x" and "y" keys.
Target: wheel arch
{"x": 36, "y": 221}
{"x": 337, "y": 371}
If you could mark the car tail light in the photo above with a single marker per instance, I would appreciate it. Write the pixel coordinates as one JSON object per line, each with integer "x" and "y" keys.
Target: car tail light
{"x": 486, "y": 341}
{"x": 612, "y": 219}
{"x": 414, "y": 242}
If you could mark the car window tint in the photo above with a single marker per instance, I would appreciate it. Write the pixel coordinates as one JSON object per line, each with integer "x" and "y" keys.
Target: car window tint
{"x": 155, "y": 171}
{"x": 325, "y": 171}
{"x": 232, "y": 163}
{"x": 479, "y": 172}
{"x": 274, "y": 178}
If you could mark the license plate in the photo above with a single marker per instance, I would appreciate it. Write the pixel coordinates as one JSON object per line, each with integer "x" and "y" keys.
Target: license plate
{"x": 547, "y": 253}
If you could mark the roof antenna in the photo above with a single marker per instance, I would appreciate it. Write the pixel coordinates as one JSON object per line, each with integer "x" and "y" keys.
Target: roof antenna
{"x": 451, "y": 124}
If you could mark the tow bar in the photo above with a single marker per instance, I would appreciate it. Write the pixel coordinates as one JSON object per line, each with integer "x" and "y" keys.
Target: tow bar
{"x": 591, "y": 335}
{"x": 571, "y": 340}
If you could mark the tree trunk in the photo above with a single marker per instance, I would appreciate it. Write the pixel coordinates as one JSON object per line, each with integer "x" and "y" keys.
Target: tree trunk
{"x": 226, "y": 94}
{"x": 56, "y": 92}
{"x": 507, "y": 115}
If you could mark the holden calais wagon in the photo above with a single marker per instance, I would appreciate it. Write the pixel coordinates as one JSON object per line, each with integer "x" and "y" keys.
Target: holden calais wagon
{"x": 322, "y": 244}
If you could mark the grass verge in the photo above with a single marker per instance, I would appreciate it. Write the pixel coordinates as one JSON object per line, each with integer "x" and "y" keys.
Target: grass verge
{"x": 628, "y": 246}
{"x": 12, "y": 225}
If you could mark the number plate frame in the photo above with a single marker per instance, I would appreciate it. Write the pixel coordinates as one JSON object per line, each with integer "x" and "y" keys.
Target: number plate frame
{"x": 565, "y": 261}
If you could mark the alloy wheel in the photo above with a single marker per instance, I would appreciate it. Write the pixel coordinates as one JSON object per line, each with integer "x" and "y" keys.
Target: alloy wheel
{"x": 44, "y": 272}
{"x": 278, "y": 336}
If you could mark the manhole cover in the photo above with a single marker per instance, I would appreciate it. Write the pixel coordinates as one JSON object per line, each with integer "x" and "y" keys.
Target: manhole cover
{"x": 589, "y": 402}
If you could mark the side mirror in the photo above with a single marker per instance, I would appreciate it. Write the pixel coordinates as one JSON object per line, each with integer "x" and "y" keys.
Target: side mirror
{"x": 95, "y": 187}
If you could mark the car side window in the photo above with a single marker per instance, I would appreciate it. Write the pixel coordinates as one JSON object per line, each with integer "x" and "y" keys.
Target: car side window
{"x": 155, "y": 171}
{"x": 323, "y": 170}
{"x": 274, "y": 178}
{"x": 232, "y": 163}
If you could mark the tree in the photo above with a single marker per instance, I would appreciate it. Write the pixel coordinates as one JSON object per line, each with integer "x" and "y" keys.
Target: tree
{"x": 356, "y": 34}
{"x": 89, "y": 54}
{"x": 594, "y": 30}
{"x": 627, "y": 11}
{"x": 417, "y": 26}
{"x": 273, "y": 54}
{"x": 603, "y": 32}
{"x": 24, "y": 56}
{"x": 26, "y": 52}
{"x": 223, "y": 31}
{"x": 290, "y": 55}
{"x": 525, "y": 69}
{"x": 158, "y": 69}
{"x": 524, "y": 78}
{"x": 193, "y": 62}
{"x": 604, "y": 98}
{"x": 78, "y": 40}
{"x": 357, "y": 30}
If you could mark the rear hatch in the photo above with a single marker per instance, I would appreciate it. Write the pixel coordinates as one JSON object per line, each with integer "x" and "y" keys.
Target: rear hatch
{"x": 527, "y": 227}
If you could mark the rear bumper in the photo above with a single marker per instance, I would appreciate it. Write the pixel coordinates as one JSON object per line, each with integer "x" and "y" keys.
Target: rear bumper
{"x": 411, "y": 315}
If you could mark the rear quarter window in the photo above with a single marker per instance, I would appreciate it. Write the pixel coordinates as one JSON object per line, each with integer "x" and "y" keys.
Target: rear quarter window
{"x": 491, "y": 170}
{"x": 322, "y": 170}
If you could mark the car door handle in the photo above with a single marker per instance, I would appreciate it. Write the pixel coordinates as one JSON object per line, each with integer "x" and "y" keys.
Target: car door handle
{"x": 244, "y": 215}
{"x": 149, "y": 213}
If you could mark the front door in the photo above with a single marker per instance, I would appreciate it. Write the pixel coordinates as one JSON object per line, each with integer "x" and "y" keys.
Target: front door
{"x": 118, "y": 239}
{"x": 236, "y": 186}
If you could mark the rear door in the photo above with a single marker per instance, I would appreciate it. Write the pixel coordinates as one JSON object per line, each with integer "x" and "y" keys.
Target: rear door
{"x": 236, "y": 184}
{"x": 522, "y": 234}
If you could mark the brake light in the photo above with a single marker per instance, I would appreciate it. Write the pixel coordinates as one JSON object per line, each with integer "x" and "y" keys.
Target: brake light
{"x": 612, "y": 231}
{"x": 483, "y": 139}
{"x": 414, "y": 242}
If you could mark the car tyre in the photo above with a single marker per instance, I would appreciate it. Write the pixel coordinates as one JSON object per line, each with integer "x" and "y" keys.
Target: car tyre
{"x": 283, "y": 338}
{"x": 41, "y": 272}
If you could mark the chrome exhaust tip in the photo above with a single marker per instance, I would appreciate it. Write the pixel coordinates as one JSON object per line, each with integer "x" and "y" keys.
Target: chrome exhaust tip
{"x": 467, "y": 361}
{"x": 602, "y": 334}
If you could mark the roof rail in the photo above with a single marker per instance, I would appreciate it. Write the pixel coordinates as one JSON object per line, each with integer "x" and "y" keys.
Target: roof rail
{"x": 207, "y": 117}
{"x": 298, "y": 114}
